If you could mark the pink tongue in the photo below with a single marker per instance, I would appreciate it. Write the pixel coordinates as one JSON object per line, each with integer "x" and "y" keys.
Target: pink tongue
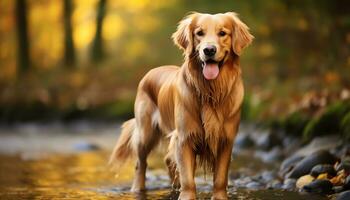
{"x": 210, "y": 71}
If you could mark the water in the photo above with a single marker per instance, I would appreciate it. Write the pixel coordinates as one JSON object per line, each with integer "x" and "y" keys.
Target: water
{"x": 44, "y": 172}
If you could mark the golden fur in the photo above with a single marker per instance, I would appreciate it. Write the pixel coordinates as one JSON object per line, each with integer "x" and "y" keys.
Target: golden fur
{"x": 200, "y": 117}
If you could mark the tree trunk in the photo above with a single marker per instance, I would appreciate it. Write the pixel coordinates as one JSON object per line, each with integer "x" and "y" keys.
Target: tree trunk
{"x": 23, "y": 60}
{"x": 69, "y": 52}
{"x": 97, "y": 52}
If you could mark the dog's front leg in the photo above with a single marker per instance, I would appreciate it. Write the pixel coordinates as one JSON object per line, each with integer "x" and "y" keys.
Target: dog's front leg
{"x": 223, "y": 160}
{"x": 221, "y": 171}
{"x": 186, "y": 161}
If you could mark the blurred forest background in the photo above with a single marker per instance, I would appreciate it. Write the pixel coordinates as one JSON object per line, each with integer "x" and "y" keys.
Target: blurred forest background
{"x": 72, "y": 59}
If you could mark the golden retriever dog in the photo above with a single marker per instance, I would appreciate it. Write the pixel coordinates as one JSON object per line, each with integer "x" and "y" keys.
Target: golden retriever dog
{"x": 196, "y": 107}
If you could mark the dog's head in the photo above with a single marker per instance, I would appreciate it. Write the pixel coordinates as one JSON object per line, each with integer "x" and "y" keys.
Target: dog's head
{"x": 213, "y": 38}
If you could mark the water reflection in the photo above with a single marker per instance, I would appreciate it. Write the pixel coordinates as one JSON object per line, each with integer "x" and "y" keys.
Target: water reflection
{"x": 85, "y": 176}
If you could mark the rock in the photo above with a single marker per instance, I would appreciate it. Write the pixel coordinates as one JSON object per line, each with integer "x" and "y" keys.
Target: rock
{"x": 339, "y": 179}
{"x": 242, "y": 182}
{"x": 323, "y": 176}
{"x": 319, "y": 187}
{"x": 343, "y": 196}
{"x": 305, "y": 165}
{"x": 273, "y": 155}
{"x": 254, "y": 185}
{"x": 343, "y": 165}
{"x": 304, "y": 180}
{"x": 85, "y": 146}
{"x": 321, "y": 169}
{"x": 345, "y": 151}
{"x": 320, "y": 143}
{"x": 268, "y": 140}
{"x": 289, "y": 163}
{"x": 291, "y": 144}
{"x": 275, "y": 184}
{"x": 243, "y": 141}
{"x": 338, "y": 189}
{"x": 268, "y": 176}
{"x": 347, "y": 183}
{"x": 289, "y": 184}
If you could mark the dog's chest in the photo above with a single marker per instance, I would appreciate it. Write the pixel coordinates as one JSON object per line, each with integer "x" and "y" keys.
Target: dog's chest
{"x": 212, "y": 121}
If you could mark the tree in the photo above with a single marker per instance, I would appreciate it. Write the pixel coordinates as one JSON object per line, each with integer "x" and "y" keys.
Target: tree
{"x": 23, "y": 60}
{"x": 69, "y": 52}
{"x": 97, "y": 52}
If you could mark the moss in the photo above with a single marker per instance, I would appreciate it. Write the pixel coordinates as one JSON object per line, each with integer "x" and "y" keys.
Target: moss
{"x": 246, "y": 108}
{"x": 295, "y": 123}
{"x": 328, "y": 122}
{"x": 120, "y": 109}
{"x": 345, "y": 126}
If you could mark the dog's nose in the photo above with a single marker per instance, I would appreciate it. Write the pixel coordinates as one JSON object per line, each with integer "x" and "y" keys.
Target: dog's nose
{"x": 209, "y": 50}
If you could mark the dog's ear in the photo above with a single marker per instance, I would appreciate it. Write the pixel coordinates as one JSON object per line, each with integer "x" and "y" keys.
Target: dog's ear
{"x": 183, "y": 37}
{"x": 241, "y": 38}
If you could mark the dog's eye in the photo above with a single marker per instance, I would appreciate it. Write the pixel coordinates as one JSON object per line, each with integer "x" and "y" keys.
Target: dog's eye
{"x": 222, "y": 33}
{"x": 200, "y": 33}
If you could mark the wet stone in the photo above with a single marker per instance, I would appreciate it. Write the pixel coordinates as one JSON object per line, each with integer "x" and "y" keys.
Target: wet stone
{"x": 85, "y": 146}
{"x": 343, "y": 196}
{"x": 268, "y": 176}
{"x": 319, "y": 186}
{"x": 305, "y": 165}
{"x": 243, "y": 141}
{"x": 289, "y": 184}
{"x": 268, "y": 141}
{"x": 289, "y": 163}
{"x": 242, "y": 182}
{"x": 321, "y": 169}
{"x": 347, "y": 183}
{"x": 254, "y": 185}
{"x": 304, "y": 180}
{"x": 344, "y": 165}
{"x": 271, "y": 156}
{"x": 275, "y": 184}
{"x": 338, "y": 189}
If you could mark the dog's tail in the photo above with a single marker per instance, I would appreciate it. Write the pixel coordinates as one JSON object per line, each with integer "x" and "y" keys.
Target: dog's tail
{"x": 124, "y": 149}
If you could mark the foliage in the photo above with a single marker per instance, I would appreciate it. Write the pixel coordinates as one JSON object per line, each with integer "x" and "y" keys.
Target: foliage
{"x": 299, "y": 46}
{"x": 329, "y": 122}
{"x": 295, "y": 123}
{"x": 345, "y": 126}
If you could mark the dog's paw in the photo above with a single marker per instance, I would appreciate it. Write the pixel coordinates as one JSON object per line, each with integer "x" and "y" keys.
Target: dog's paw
{"x": 222, "y": 195}
{"x": 137, "y": 188}
{"x": 187, "y": 195}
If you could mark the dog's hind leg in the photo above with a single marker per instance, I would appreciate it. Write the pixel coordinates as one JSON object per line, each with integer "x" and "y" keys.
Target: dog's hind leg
{"x": 171, "y": 163}
{"x": 147, "y": 138}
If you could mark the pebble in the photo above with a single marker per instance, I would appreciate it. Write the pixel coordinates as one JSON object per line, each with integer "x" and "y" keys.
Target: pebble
{"x": 85, "y": 146}
{"x": 275, "y": 184}
{"x": 338, "y": 189}
{"x": 305, "y": 165}
{"x": 289, "y": 163}
{"x": 319, "y": 187}
{"x": 254, "y": 185}
{"x": 242, "y": 182}
{"x": 243, "y": 141}
{"x": 268, "y": 176}
{"x": 304, "y": 180}
{"x": 343, "y": 196}
{"x": 289, "y": 184}
{"x": 347, "y": 183}
{"x": 343, "y": 165}
{"x": 321, "y": 169}
{"x": 267, "y": 141}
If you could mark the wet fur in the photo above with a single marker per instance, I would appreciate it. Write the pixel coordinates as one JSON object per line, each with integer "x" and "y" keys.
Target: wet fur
{"x": 198, "y": 117}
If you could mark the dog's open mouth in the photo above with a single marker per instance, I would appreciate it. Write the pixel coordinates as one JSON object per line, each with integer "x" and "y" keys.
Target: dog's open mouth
{"x": 211, "y": 69}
